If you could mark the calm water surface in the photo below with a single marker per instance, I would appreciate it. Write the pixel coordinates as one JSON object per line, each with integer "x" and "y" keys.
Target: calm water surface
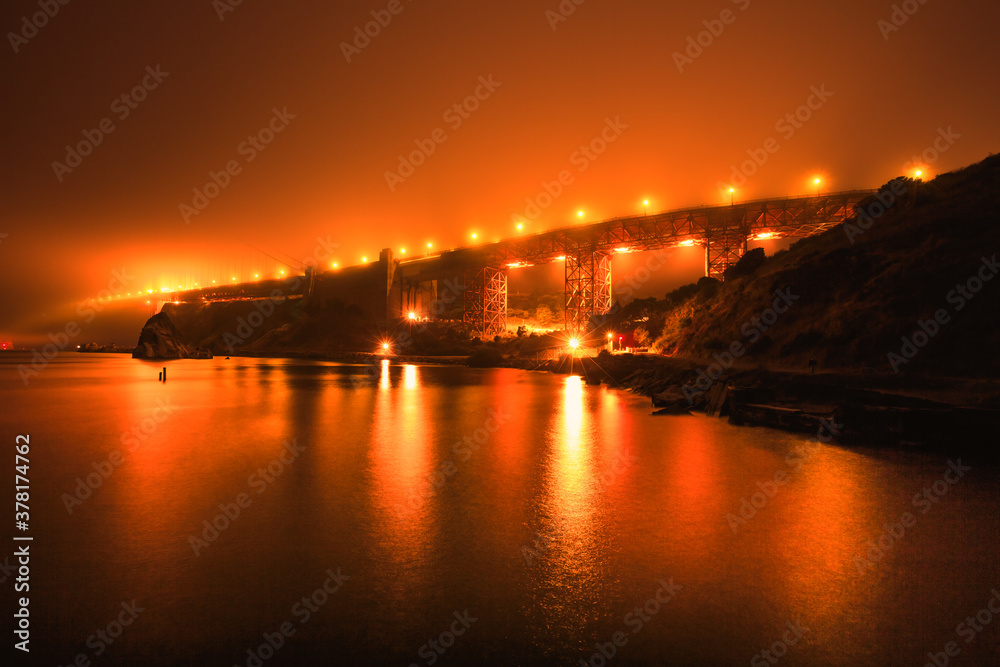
{"x": 542, "y": 510}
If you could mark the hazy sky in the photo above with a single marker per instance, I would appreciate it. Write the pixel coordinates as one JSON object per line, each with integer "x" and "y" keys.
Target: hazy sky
{"x": 666, "y": 119}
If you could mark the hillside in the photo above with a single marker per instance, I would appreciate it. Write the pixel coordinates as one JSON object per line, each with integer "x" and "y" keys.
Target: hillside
{"x": 855, "y": 293}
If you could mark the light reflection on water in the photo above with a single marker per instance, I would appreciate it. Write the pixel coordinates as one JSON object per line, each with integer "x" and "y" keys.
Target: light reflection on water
{"x": 405, "y": 485}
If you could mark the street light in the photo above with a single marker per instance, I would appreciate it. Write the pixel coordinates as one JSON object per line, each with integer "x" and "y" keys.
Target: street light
{"x": 579, "y": 214}
{"x": 573, "y": 343}
{"x": 731, "y": 195}
{"x": 645, "y": 206}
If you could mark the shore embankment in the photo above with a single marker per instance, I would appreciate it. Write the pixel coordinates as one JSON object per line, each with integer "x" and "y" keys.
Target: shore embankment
{"x": 932, "y": 413}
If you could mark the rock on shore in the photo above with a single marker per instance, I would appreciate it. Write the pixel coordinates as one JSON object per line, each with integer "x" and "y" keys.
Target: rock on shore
{"x": 160, "y": 339}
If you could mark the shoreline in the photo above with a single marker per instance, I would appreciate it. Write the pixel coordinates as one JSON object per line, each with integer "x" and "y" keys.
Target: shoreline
{"x": 910, "y": 413}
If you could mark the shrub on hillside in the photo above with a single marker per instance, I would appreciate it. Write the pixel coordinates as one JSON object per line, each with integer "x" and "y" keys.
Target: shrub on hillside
{"x": 748, "y": 264}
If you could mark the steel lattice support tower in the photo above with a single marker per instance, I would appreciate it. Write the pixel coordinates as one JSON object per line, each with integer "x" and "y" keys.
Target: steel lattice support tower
{"x": 723, "y": 249}
{"x": 588, "y": 289}
{"x": 486, "y": 301}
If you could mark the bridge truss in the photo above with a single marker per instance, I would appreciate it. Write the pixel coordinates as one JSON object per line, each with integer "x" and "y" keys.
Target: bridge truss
{"x": 723, "y": 231}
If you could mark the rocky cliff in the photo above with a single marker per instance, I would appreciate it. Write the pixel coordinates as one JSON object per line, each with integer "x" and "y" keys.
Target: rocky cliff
{"x": 160, "y": 339}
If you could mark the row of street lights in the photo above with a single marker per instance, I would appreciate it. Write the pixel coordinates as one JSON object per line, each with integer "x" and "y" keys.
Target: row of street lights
{"x": 520, "y": 226}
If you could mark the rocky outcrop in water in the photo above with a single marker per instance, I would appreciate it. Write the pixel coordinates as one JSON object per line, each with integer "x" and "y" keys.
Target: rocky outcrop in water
{"x": 160, "y": 339}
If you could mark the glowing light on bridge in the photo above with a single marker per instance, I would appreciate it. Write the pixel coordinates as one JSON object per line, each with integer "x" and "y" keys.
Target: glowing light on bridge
{"x": 573, "y": 343}
{"x": 765, "y": 235}
{"x": 689, "y": 242}
{"x": 561, "y": 258}
{"x": 623, "y": 250}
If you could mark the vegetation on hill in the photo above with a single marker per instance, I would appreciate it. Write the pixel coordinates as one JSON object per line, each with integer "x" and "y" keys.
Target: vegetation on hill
{"x": 906, "y": 285}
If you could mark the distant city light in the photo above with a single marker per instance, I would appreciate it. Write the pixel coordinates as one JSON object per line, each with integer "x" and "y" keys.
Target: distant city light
{"x": 334, "y": 265}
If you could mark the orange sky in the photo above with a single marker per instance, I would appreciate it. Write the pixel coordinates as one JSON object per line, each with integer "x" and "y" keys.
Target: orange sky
{"x": 887, "y": 95}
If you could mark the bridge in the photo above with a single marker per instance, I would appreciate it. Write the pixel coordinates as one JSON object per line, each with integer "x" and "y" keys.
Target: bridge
{"x": 478, "y": 275}
{"x": 588, "y": 249}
